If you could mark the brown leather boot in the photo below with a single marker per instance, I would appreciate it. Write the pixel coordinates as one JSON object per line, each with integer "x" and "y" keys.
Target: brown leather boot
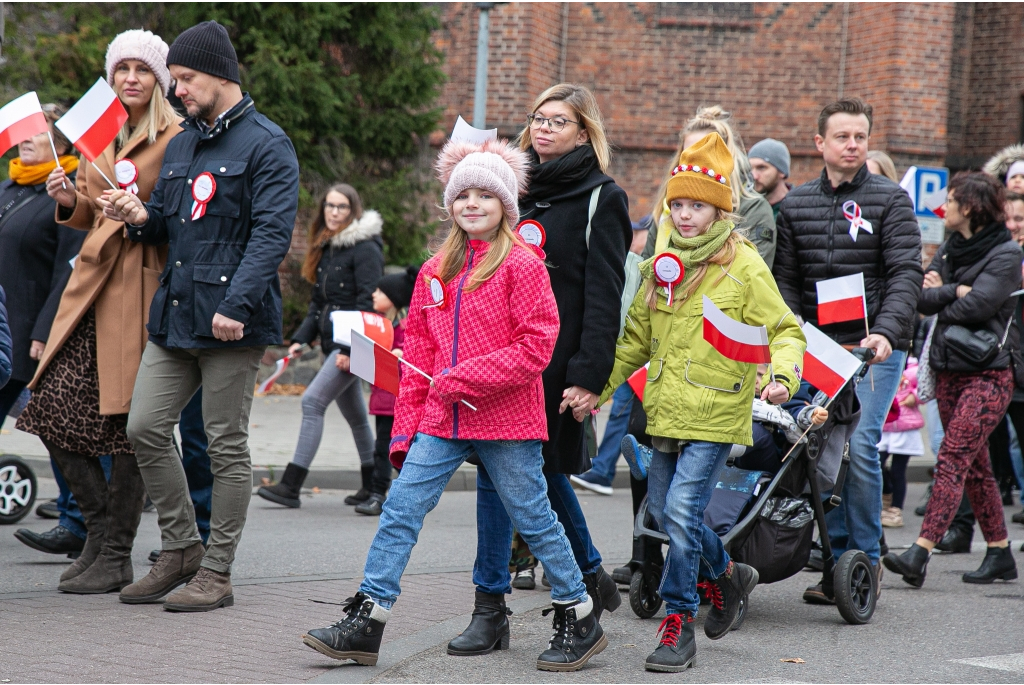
{"x": 103, "y": 575}
{"x": 173, "y": 567}
{"x": 209, "y": 590}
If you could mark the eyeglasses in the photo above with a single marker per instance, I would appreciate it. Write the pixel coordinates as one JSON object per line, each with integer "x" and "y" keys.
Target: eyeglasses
{"x": 556, "y": 124}
{"x": 337, "y": 208}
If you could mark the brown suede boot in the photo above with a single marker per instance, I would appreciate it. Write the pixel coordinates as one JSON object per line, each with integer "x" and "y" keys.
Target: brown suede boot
{"x": 103, "y": 575}
{"x": 173, "y": 567}
{"x": 93, "y": 544}
{"x": 209, "y": 590}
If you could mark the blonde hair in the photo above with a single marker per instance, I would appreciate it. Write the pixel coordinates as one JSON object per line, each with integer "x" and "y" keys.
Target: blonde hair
{"x": 159, "y": 115}
{"x": 584, "y": 104}
{"x": 712, "y": 119}
{"x": 884, "y": 163}
{"x": 453, "y": 254}
{"x": 724, "y": 258}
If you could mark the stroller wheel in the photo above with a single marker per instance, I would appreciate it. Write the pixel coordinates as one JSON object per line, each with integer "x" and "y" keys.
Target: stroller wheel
{"x": 855, "y": 579}
{"x": 17, "y": 490}
{"x": 644, "y": 599}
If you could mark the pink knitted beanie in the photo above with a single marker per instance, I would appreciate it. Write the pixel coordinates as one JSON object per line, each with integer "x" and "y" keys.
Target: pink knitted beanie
{"x": 493, "y": 166}
{"x": 144, "y": 46}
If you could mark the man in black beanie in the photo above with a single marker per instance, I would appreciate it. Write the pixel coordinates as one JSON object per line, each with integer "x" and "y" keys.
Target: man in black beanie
{"x": 225, "y": 205}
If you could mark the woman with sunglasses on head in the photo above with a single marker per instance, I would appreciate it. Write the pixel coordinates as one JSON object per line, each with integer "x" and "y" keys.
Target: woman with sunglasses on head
{"x": 344, "y": 263}
{"x": 566, "y": 142}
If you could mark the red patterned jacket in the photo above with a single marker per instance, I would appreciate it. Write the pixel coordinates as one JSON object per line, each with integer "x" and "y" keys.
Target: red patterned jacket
{"x": 488, "y": 346}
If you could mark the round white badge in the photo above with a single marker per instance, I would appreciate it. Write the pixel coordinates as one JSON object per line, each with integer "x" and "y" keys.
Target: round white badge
{"x": 126, "y": 172}
{"x": 532, "y": 233}
{"x": 668, "y": 269}
{"x": 437, "y": 292}
{"x": 203, "y": 187}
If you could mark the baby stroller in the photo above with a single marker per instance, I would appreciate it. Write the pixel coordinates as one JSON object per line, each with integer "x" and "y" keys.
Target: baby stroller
{"x": 774, "y": 529}
{"x": 17, "y": 480}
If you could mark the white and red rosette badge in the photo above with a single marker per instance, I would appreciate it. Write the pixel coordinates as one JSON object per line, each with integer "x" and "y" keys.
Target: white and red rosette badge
{"x": 668, "y": 273}
{"x": 532, "y": 233}
{"x": 203, "y": 188}
{"x": 437, "y": 293}
{"x": 127, "y": 174}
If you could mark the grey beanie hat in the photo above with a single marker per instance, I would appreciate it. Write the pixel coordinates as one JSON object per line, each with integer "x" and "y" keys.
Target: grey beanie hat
{"x": 206, "y": 47}
{"x": 772, "y": 151}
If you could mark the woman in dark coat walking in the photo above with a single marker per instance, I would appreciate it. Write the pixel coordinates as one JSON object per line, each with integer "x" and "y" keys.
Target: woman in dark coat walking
{"x": 344, "y": 263}
{"x": 566, "y": 140}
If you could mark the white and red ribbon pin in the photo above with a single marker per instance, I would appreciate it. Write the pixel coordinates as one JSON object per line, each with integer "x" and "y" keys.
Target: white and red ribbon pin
{"x": 668, "y": 272}
{"x": 127, "y": 174}
{"x": 532, "y": 233}
{"x": 203, "y": 188}
{"x": 851, "y": 210}
{"x": 437, "y": 293}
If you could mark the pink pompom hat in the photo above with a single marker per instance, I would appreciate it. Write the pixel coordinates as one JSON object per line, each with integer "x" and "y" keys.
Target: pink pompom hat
{"x": 495, "y": 166}
{"x": 144, "y": 46}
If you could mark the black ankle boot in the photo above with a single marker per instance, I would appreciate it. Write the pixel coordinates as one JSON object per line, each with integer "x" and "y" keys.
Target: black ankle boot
{"x": 373, "y": 506}
{"x": 364, "y": 492}
{"x": 487, "y": 631}
{"x": 604, "y": 591}
{"x": 678, "y": 649}
{"x": 356, "y": 637}
{"x": 912, "y": 564}
{"x": 998, "y": 564}
{"x": 287, "y": 491}
{"x": 956, "y": 541}
{"x": 727, "y": 592}
{"x": 578, "y": 637}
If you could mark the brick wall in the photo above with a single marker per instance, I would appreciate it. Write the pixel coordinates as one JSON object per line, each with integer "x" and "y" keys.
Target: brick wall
{"x": 773, "y": 65}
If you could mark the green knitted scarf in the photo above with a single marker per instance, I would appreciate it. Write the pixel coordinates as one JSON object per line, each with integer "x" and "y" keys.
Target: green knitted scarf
{"x": 693, "y": 251}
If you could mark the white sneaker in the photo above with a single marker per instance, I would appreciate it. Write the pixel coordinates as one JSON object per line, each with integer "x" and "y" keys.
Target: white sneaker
{"x": 589, "y": 485}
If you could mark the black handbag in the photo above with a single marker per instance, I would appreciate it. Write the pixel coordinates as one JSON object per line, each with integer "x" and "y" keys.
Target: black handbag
{"x": 977, "y": 347}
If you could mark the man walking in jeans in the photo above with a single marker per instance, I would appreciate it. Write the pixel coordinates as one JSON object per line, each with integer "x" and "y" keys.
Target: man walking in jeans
{"x": 225, "y": 205}
{"x": 818, "y": 240}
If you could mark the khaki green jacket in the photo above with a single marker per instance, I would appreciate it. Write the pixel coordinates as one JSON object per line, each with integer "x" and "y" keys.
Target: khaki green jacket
{"x": 693, "y": 392}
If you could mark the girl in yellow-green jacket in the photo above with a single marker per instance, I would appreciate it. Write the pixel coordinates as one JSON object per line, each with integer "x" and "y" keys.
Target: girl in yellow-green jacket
{"x": 698, "y": 402}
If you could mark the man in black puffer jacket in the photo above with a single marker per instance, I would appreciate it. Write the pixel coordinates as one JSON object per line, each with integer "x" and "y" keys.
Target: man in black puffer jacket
{"x": 817, "y": 241}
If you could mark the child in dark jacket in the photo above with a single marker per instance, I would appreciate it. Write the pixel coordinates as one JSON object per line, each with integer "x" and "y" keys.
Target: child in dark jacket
{"x": 391, "y": 298}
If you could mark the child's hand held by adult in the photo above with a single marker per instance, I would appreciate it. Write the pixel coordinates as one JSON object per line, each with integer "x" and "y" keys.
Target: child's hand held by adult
{"x": 775, "y": 392}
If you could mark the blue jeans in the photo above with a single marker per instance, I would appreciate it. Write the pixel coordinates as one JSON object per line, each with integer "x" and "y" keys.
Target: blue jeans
{"x": 618, "y": 422}
{"x": 679, "y": 487}
{"x": 431, "y": 462}
{"x": 494, "y": 531}
{"x": 196, "y": 462}
{"x": 857, "y": 522}
{"x": 70, "y": 515}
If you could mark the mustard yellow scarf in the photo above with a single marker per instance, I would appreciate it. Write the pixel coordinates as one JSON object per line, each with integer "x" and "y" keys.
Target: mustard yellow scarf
{"x": 34, "y": 174}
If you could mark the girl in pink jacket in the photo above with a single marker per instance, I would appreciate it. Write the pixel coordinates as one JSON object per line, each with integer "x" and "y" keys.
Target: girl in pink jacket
{"x": 482, "y": 323}
{"x": 901, "y": 440}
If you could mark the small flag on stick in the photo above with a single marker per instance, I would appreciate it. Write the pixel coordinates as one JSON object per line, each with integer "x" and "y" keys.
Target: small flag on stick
{"x": 374, "y": 363}
{"x": 638, "y": 381}
{"x": 20, "y": 119}
{"x": 374, "y": 326}
{"x": 279, "y": 369}
{"x": 827, "y": 364}
{"x": 735, "y": 340}
{"x": 841, "y": 299}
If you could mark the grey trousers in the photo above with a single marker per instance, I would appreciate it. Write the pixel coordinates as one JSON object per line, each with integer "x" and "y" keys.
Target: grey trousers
{"x": 166, "y": 381}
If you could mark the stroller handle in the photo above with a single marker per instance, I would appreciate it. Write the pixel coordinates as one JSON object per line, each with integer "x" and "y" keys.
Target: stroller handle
{"x": 865, "y": 354}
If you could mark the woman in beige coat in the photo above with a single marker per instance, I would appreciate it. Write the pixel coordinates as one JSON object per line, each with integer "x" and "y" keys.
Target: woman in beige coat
{"x": 83, "y": 386}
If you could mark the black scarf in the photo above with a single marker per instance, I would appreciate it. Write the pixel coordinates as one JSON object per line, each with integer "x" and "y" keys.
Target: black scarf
{"x": 963, "y": 251}
{"x": 557, "y": 175}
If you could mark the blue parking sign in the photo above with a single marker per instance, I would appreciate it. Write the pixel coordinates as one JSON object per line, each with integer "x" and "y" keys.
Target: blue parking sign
{"x": 930, "y": 191}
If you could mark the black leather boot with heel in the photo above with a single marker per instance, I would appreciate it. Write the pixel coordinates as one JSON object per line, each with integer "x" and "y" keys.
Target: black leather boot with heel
{"x": 487, "y": 631}
{"x": 287, "y": 491}
{"x": 998, "y": 564}
{"x": 912, "y": 564}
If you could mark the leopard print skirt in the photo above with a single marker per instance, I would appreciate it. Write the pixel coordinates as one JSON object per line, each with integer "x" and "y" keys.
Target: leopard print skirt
{"x": 65, "y": 406}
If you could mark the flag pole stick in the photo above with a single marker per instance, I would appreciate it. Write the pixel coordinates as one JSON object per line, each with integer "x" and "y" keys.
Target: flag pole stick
{"x": 100, "y": 172}
{"x": 56, "y": 159}
{"x": 428, "y": 377}
{"x": 871, "y": 371}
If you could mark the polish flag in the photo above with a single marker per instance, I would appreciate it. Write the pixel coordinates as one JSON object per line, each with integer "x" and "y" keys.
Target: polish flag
{"x": 374, "y": 363}
{"x": 92, "y": 124}
{"x": 279, "y": 369}
{"x": 841, "y": 299}
{"x": 733, "y": 339}
{"x": 373, "y": 326}
{"x": 638, "y": 381}
{"x": 827, "y": 364}
{"x": 20, "y": 119}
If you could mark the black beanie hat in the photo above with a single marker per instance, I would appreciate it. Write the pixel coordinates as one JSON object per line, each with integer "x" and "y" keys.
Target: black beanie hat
{"x": 398, "y": 287}
{"x": 205, "y": 47}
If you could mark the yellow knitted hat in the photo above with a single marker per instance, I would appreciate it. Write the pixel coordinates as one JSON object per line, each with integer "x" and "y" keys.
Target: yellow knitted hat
{"x": 703, "y": 173}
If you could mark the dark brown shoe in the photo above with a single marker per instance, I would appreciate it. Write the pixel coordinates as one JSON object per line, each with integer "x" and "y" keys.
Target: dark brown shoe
{"x": 209, "y": 590}
{"x": 173, "y": 568}
{"x": 93, "y": 544}
{"x": 103, "y": 575}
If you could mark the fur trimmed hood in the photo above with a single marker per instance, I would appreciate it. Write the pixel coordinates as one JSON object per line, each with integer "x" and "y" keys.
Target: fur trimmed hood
{"x": 370, "y": 225}
{"x": 1000, "y": 162}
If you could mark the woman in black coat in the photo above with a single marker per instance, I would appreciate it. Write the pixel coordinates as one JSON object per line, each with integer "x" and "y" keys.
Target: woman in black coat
{"x": 5, "y": 342}
{"x": 344, "y": 263}
{"x": 566, "y": 140}
{"x": 968, "y": 285}
{"x": 35, "y": 253}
